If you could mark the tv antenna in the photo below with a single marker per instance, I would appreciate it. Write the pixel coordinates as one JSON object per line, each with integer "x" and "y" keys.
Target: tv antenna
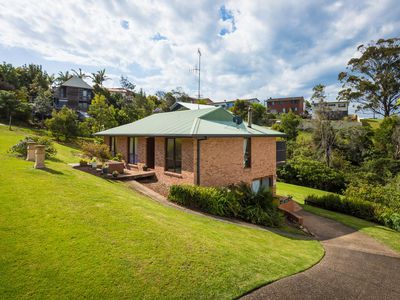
{"x": 197, "y": 69}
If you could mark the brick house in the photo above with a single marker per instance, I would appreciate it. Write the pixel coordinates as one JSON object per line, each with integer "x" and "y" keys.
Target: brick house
{"x": 284, "y": 105}
{"x": 74, "y": 93}
{"x": 203, "y": 146}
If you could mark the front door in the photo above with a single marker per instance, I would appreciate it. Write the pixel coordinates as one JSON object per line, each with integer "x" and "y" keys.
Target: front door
{"x": 150, "y": 153}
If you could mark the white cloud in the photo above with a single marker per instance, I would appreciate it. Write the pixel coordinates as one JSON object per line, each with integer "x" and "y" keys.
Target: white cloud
{"x": 276, "y": 48}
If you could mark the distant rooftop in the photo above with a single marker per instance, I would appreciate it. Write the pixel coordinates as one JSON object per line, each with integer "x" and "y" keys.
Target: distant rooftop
{"x": 285, "y": 99}
{"x": 77, "y": 82}
{"x": 230, "y": 101}
{"x": 189, "y": 106}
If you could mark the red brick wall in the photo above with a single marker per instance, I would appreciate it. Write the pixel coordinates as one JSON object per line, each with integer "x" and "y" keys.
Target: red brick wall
{"x": 187, "y": 175}
{"x": 222, "y": 160}
{"x": 122, "y": 146}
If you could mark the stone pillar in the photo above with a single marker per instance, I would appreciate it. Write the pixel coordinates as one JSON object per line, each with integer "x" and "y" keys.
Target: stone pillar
{"x": 30, "y": 155}
{"x": 39, "y": 156}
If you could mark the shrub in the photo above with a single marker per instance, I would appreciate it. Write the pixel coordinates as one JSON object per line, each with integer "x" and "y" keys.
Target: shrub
{"x": 209, "y": 199}
{"x": 366, "y": 210}
{"x": 21, "y": 147}
{"x": 115, "y": 174}
{"x": 117, "y": 157}
{"x": 94, "y": 150}
{"x": 83, "y": 162}
{"x": 387, "y": 195}
{"x": 312, "y": 173}
{"x": 237, "y": 201}
{"x": 63, "y": 124}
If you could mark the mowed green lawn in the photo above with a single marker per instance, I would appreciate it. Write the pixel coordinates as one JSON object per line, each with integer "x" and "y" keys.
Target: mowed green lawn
{"x": 67, "y": 234}
{"x": 383, "y": 234}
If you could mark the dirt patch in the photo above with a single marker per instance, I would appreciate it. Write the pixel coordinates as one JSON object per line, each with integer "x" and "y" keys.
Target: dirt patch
{"x": 155, "y": 185}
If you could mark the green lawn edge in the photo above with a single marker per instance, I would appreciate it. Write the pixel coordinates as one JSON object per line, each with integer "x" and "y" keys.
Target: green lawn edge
{"x": 385, "y": 235}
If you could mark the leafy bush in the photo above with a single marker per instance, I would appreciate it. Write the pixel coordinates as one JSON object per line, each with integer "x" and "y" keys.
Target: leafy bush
{"x": 209, "y": 199}
{"x": 311, "y": 173}
{"x": 117, "y": 157}
{"x": 83, "y": 162}
{"x": 370, "y": 211}
{"x": 237, "y": 201}
{"x": 388, "y": 195}
{"x": 63, "y": 124}
{"x": 21, "y": 147}
{"x": 94, "y": 150}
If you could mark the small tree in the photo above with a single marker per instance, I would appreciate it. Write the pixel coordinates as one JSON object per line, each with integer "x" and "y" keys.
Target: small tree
{"x": 324, "y": 135}
{"x": 387, "y": 137}
{"x": 43, "y": 104}
{"x": 102, "y": 113}
{"x": 290, "y": 125}
{"x": 240, "y": 108}
{"x": 9, "y": 104}
{"x": 63, "y": 124}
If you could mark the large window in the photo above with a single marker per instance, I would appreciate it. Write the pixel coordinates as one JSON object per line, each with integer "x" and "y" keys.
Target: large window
{"x": 132, "y": 148}
{"x": 247, "y": 152}
{"x": 173, "y": 155}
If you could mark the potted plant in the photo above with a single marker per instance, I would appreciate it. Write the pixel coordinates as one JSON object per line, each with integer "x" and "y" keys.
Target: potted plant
{"x": 145, "y": 168}
{"x": 104, "y": 169}
{"x": 94, "y": 163}
{"x": 115, "y": 174}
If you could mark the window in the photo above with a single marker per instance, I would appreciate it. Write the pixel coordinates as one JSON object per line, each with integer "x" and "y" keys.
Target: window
{"x": 342, "y": 104}
{"x": 63, "y": 92}
{"x": 132, "y": 150}
{"x": 84, "y": 93}
{"x": 173, "y": 155}
{"x": 112, "y": 145}
{"x": 247, "y": 152}
{"x": 295, "y": 109}
{"x": 264, "y": 182}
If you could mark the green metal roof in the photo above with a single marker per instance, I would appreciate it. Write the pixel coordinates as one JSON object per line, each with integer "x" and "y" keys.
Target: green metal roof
{"x": 77, "y": 82}
{"x": 214, "y": 121}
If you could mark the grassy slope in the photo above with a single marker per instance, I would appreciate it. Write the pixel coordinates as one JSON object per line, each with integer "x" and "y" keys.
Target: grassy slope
{"x": 67, "y": 234}
{"x": 385, "y": 235}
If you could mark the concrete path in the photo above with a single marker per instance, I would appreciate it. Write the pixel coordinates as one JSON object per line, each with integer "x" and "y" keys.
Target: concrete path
{"x": 355, "y": 266}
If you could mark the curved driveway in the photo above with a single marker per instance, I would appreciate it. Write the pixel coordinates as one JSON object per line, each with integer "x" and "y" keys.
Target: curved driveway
{"x": 355, "y": 266}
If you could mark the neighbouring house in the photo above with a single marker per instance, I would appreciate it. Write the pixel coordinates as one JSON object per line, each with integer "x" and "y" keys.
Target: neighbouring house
{"x": 231, "y": 103}
{"x": 74, "y": 93}
{"x": 202, "y": 100}
{"x": 127, "y": 94}
{"x": 284, "y": 105}
{"x": 203, "y": 146}
{"x": 187, "y": 106}
{"x": 334, "y": 110}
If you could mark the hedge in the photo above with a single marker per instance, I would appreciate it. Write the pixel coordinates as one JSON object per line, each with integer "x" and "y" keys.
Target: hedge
{"x": 233, "y": 202}
{"x": 366, "y": 210}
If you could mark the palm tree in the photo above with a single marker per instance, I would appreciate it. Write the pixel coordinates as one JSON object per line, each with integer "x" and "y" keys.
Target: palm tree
{"x": 80, "y": 74}
{"x": 99, "y": 77}
{"x": 63, "y": 77}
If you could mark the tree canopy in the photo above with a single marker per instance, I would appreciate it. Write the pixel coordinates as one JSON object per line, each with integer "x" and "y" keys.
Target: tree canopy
{"x": 373, "y": 79}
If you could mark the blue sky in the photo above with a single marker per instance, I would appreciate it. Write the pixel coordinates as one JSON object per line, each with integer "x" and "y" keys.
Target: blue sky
{"x": 249, "y": 48}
